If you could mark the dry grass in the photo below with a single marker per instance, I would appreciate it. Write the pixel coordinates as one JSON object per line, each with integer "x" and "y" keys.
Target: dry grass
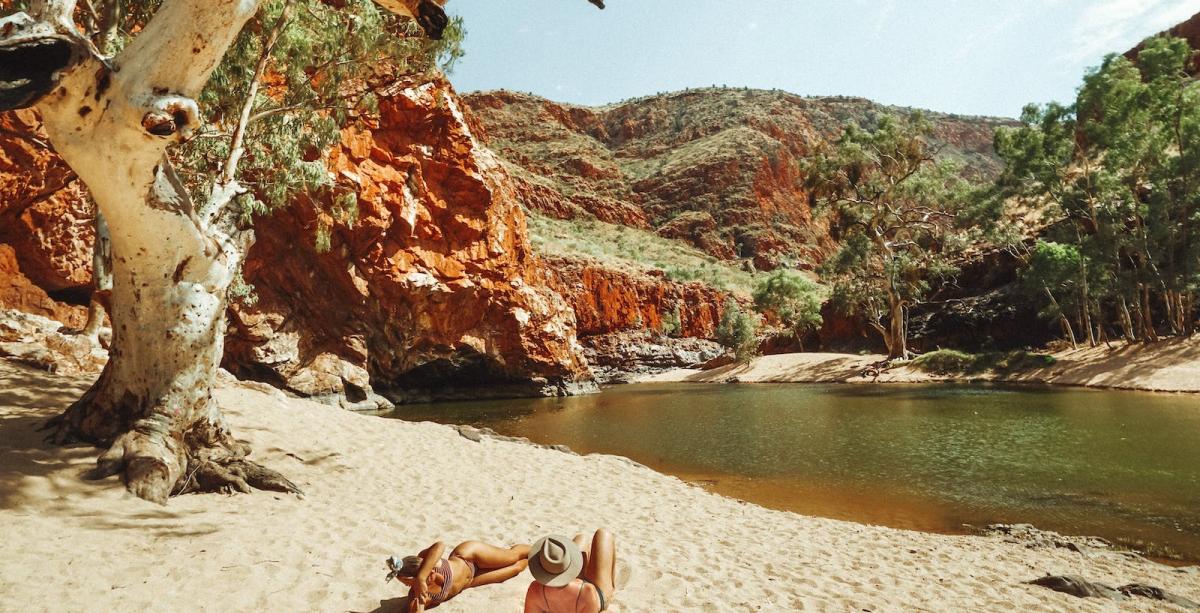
{"x": 636, "y": 250}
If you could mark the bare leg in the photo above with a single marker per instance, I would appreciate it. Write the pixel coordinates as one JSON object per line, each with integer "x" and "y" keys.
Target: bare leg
{"x": 600, "y": 566}
{"x": 493, "y": 564}
{"x": 585, "y": 545}
{"x": 499, "y": 575}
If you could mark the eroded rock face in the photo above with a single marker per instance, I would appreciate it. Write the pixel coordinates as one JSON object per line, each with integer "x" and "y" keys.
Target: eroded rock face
{"x": 45, "y": 214}
{"x": 431, "y": 292}
{"x": 606, "y": 300}
{"x": 42, "y": 343}
{"x": 620, "y": 356}
{"x": 20, "y": 293}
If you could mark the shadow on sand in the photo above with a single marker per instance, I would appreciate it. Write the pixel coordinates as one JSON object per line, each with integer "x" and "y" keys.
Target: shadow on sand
{"x": 37, "y": 477}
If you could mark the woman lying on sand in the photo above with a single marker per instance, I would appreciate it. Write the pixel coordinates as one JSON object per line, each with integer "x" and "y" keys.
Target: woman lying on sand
{"x": 572, "y": 577}
{"x": 433, "y": 580}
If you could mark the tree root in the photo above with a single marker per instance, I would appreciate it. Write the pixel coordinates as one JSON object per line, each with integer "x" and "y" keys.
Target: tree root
{"x": 234, "y": 475}
{"x": 157, "y": 463}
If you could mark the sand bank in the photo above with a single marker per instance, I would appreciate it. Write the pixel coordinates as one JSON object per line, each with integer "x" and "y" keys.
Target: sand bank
{"x": 1168, "y": 366}
{"x": 376, "y": 487}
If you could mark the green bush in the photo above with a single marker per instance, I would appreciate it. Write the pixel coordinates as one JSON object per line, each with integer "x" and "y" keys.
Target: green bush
{"x": 1014, "y": 361}
{"x": 952, "y": 362}
{"x": 738, "y": 330}
{"x": 671, "y": 324}
{"x": 947, "y": 362}
{"x": 792, "y": 298}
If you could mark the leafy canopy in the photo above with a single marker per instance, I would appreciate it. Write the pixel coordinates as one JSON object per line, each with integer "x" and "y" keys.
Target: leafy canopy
{"x": 1116, "y": 180}
{"x": 326, "y": 70}
{"x": 892, "y": 204}
{"x": 738, "y": 330}
{"x": 792, "y": 298}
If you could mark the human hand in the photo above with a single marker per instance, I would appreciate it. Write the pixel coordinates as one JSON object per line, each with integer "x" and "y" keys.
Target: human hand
{"x": 420, "y": 591}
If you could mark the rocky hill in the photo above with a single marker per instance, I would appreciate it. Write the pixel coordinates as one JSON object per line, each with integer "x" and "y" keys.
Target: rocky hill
{"x": 432, "y": 291}
{"x": 717, "y": 168}
{"x": 1189, "y": 31}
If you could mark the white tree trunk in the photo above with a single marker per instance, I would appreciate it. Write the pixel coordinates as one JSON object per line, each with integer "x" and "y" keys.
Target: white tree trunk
{"x": 153, "y": 403}
{"x": 113, "y": 122}
{"x": 898, "y": 345}
{"x": 101, "y": 280}
{"x": 173, "y": 262}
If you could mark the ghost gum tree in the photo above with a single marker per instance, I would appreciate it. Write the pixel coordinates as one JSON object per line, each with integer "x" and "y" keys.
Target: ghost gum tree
{"x": 892, "y": 204}
{"x": 125, "y": 123}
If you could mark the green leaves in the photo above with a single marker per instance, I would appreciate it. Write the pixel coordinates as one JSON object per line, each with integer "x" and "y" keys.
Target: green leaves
{"x": 1116, "y": 178}
{"x": 794, "y": 299}
{"x": 323, "y": 74}
{"x": 893, "y": 204}
{"x": 738, "y": 330}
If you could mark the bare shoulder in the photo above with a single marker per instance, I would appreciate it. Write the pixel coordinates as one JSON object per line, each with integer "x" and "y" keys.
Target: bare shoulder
{"x": 589, "y": 597}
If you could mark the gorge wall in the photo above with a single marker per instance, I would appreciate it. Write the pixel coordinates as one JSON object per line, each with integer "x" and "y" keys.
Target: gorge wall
{"x": 432, "y": 291}
{"x": 45, "y": 224}
{"x": 434, "y": 282}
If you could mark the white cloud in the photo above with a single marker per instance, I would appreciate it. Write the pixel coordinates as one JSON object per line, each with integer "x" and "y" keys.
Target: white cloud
{"x": 1113, "y": 26}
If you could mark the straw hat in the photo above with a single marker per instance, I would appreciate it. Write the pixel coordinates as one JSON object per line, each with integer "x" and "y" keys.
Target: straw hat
{"x": 555, "y": 561}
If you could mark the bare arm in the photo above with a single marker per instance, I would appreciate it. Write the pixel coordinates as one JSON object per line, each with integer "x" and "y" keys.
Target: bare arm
{"x": 429, "y": 559}
{"x": 419, "y": 594}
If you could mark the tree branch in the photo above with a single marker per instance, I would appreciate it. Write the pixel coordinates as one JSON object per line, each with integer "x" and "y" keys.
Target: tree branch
{"x": 237, "y": 144}
{"x": 60, "y": 13}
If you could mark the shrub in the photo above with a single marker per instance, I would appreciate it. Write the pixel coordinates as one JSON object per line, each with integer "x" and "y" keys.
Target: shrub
{"x": 671, "y": 323}
{"x": 1023, "y": 360}
{"x": 738, "y": 330}
{"x": 792, "y": 298}
{"x": 947, "y": 362}
{"x": 952, "y": 362}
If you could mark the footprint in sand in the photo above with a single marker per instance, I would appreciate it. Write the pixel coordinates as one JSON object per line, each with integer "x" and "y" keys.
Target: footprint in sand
{"x": 624, "y": 574}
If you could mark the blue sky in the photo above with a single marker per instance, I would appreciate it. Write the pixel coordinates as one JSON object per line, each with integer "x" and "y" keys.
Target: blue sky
{"x": 985, "y": 57}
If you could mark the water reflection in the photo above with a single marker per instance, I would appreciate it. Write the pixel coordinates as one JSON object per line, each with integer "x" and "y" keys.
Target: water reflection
{"x": 1117, "y": 464}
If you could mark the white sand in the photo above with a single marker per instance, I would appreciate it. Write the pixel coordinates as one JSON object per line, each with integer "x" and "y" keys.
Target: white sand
{"x": 1168, "y": 366}
{"x": 376, "y": 487}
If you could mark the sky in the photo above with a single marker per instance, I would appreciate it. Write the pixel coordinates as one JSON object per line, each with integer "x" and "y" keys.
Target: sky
{"x": 977, "y": 57}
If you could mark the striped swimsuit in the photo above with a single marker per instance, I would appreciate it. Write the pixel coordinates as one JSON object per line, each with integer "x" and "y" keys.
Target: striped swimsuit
{"x": 447, "y": 573}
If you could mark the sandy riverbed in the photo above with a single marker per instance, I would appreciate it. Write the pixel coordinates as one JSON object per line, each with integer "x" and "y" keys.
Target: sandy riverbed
{"x": 1168, "y": 366}
{"x": 376, "y": 487}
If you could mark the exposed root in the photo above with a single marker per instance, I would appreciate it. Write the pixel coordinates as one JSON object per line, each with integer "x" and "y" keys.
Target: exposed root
{"x": 157, "y": 462}
{"x": 235, "y": 475}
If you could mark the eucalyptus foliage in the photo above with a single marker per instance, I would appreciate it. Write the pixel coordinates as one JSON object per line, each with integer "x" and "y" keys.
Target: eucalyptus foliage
{"x": 792, "y": 298}
{"x": 1116, "y": 177}
{"x": 892, "y": 203}
{"x": 325, "y": 71}
{"x": 738, "y": 331}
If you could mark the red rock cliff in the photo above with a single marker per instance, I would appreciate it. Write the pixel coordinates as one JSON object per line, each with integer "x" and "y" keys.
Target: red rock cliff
{"x": 606, "y": 300}
{"x": 45, "y": 215}
{"x": 431, "y": 290}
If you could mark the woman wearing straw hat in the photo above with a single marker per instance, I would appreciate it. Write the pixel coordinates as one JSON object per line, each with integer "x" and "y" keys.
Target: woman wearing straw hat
{"x": 433, "y": 579}
{"x": 571, "y": 576}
